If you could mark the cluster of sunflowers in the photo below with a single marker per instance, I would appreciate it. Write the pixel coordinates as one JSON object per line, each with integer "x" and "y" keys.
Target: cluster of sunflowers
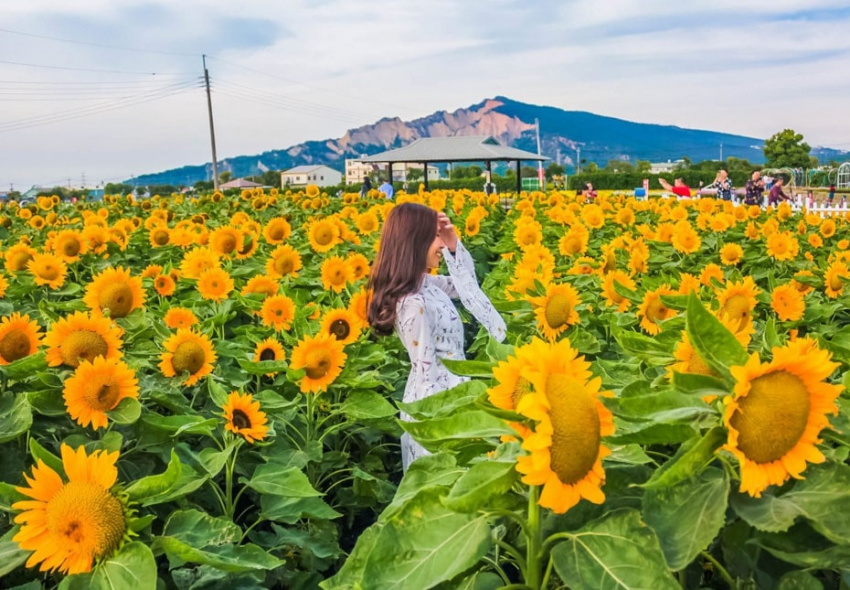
{"x": 670, "y": 347}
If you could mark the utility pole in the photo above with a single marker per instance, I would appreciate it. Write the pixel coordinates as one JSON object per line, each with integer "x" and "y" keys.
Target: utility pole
{"x": 84, "y": 180}
{"x": 721, "y": 151}
{"x": 540, "y": 176}
{"x": 578, "y": 159}
{"x": 212, "y": 128}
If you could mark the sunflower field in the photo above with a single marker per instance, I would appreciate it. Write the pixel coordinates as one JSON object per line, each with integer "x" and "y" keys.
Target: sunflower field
{"x": 191, "y": 398}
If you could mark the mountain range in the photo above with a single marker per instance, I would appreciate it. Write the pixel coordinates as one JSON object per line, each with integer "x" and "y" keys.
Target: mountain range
{"x": 562, "y": 134}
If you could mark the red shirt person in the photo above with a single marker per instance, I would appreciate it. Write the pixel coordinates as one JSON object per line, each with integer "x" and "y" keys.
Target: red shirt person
{"x": 678, "y": 188}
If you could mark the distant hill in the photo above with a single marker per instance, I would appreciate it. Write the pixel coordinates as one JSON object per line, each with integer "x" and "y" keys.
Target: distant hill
{"x": 600, "y": 139}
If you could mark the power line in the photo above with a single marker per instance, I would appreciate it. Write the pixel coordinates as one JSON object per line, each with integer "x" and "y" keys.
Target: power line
{"x": 295, "y": 104}
{"x": 96, "y": 108}
{"x": 75, "y": 42}
{"x": 270, "y": 103}
{"x": 16, "y": 63}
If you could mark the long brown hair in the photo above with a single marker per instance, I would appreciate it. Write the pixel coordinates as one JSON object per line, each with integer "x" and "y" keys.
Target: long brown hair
{"x": 401, "y": 261}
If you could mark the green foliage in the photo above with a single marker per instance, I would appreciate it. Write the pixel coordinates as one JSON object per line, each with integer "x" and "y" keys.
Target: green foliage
{"x": 786, "y": 149}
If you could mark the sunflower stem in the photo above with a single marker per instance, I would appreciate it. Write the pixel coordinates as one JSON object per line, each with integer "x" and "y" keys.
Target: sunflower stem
{"x": 228, "y": 482}
{"x": 533, "y": 546}
{"x": 720, "y": 569}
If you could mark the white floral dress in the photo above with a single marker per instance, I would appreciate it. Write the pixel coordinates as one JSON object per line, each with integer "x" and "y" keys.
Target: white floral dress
{"x": 430, "y": 328}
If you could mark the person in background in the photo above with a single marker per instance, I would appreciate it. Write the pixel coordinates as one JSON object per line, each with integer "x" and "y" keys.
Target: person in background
{"x": 754, "y": 190}
{"x": 366, "y": 187}
{"x": 831, "y": 195}
{"x": 588, "y": 191}
{"x": 723, "y": 184}
{"x": 678, "y": 188}
{"x": 417, "y": 305}
{"x": 776, "y": 195}
{"x": 387, "y": 189}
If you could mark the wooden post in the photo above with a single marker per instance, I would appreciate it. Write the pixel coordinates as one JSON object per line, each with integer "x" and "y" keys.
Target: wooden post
{"x": 518, "y": 178}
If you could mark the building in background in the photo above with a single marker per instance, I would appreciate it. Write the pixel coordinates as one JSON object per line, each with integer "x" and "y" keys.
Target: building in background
{"x": 356, "y": 171}
{"x": 303, "y": 175}
{"x": 668, "y": 166}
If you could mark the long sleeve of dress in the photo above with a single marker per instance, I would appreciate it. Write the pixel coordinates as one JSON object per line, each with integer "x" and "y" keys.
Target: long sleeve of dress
{"x": 465, "y": 286}
{"x": 415, "y": 333}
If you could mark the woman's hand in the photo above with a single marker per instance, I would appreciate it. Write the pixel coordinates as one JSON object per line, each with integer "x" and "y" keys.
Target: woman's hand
{"x": 446, "y": 231}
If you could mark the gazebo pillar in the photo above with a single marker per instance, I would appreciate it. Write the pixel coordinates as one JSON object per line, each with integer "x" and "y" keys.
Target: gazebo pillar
{"x": 425, "y": 168}
{"x": 518, "y": 178}
{"x": 390, "y": 173}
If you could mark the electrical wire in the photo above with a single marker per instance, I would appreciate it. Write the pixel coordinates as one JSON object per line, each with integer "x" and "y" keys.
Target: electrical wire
{"x": 119, "y": 48}
{"x": 127, "y": 72}
{"x": 270, "y": 103}
{"x": 98, "y": 108}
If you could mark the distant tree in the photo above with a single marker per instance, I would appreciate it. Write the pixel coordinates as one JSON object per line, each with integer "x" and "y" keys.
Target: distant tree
{"x": 684, "y": 164}
{"x": 203, "y": 185}
{"x": 554, "y": 169}
{"x": 271, "y": 178}
{"x": 644, "y": 166}
{"x": 414, "y": 174}
{"x": 529, "y": 172}
{"x": 619, "y": 166}
{"x": 591, "y": 167}
{"x": 225, "y": 176}
{"x": 162, "y": 189}
{"x": 117, "y": 188}
{"x": 787, "y": 149}
{"x": 460, "y": 172}
{"x": 14, "y": 195}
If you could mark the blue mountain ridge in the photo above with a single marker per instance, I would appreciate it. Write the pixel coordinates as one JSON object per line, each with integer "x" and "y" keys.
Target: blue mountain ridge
{"x": 599, "y": 138}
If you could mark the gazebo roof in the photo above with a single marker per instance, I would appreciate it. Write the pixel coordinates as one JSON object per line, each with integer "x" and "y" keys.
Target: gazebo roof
{"x": 464, "y": 148}
{"x": 240, "y": 183}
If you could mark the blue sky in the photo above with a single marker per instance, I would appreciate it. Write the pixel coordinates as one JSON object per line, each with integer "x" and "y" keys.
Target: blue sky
{"x": 286, "y": 72}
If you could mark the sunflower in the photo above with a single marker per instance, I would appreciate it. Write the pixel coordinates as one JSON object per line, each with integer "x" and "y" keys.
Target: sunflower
{"x": 788, "y": 303}
{"x": 565, "y": 447}
{"x": 685, "y": 238}
{"x": 187, "y": 352}
{"x": 115, "y": 292}
{"x": 358, "y": 266}
{"x": 652, "y": 310}
{"x": 688, "y": 283}
{"x": 82, "y": 337}
{"x": 278, "y": 311}
{"x": 159, "y": 236}
{"x": 827, "y": 228}
{"x": 164, "y": 285}
{"x": 574, "y": 241}
{"x": 19, "y": 338}
{"x": 835, "y": 278}
{"x": 197, "y": 260}
{"x": 737, "y": 302}
{"x": 215, "y": 284}
{"x": 243, "y": 417}
{"x": 69, "y": 245}
{"x": 226, "y": 240}
{"x": 731, "y": 254}
{"x": 97, "y": 387}
{"x": 264, "y": 285}
{"x": 69, "y": 525}
{"x": 511, "y": 386}
{"x": 18, "y": 256}
{"x": 179, "y": 317}
{"x": 593, "y": 216}
{"x": 323, "y": 235}
{"x": 342, "y": 324}
{"x": 48, "y": 269}
{"x": 782, "y": 246}
{"x": 4, "y": 284}
{"x": 367, "y": 223}
{"x": 689, "y": 360}
{"x": 612, "y": 298}
{"x": 151, "y": 271}
{"x": 97, "y": 238}
{"x": 277, "y": 230}
{"x": 335, "y": 274}
{"x": 777, "y": 412}
{"x": 284, "y": 260}
{"x": 527, "y": 235}
{"x": 322, "y": 358}
{"x": 556, "y": 309}
{"x": 359, "y": 304}
{"x": 710, "y": 274}
{"x": 269, "y": 350}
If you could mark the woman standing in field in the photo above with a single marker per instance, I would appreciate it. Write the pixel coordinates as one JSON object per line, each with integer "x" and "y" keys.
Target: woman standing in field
{"x": 417, "y": 305}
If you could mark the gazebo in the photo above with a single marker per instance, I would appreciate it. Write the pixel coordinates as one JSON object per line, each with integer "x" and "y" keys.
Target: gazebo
{"x": 465, "y": 148}
{"x": 240, "y": 183}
